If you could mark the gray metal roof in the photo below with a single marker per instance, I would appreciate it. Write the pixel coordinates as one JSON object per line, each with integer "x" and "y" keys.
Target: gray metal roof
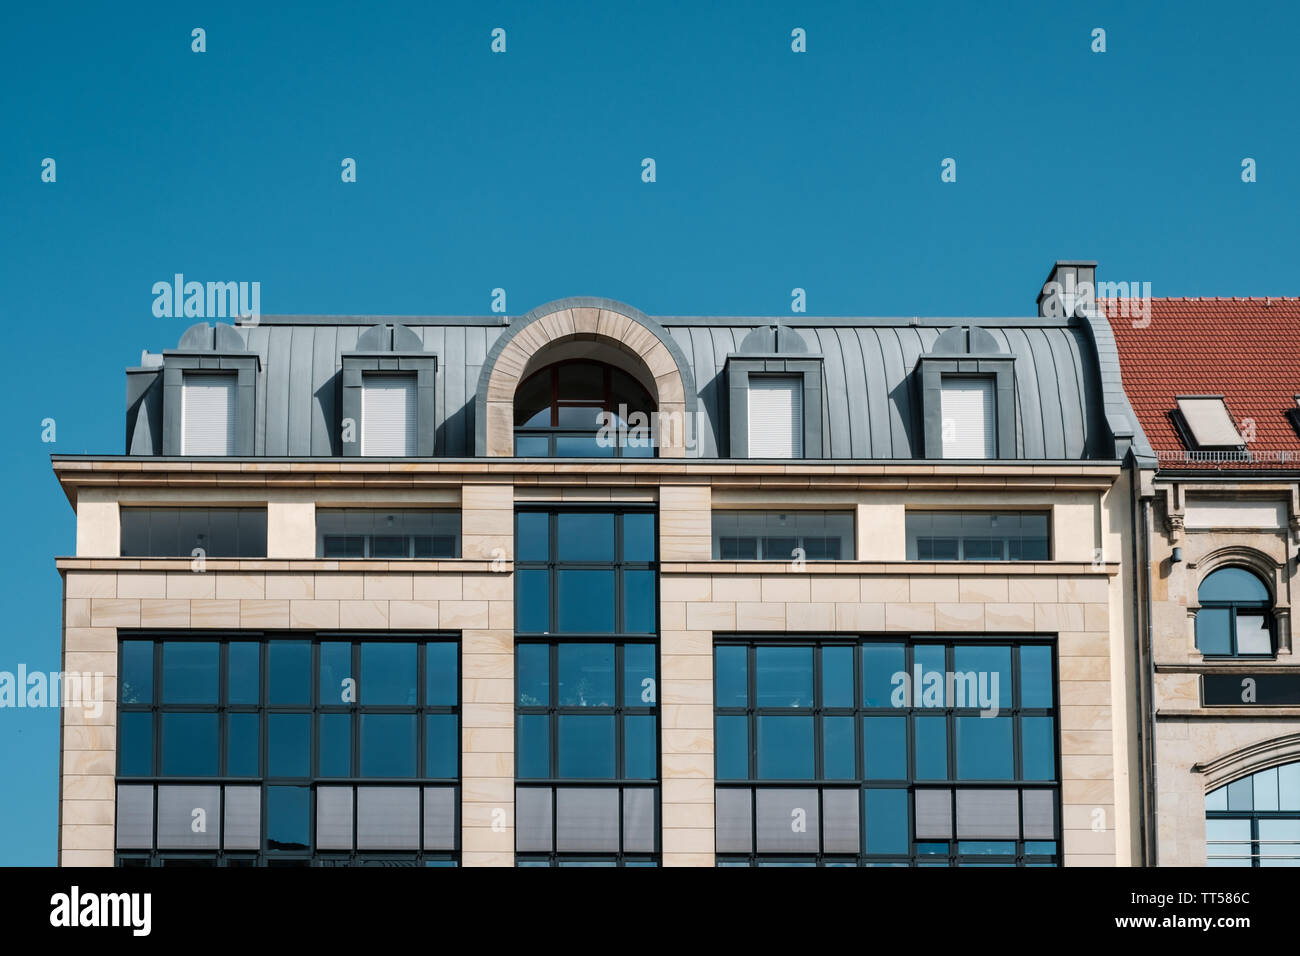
{"x": 1066, "y": 406}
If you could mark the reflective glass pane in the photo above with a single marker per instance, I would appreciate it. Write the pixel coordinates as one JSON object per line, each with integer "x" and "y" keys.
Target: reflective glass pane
{"x": 1252, "y": 634}
{"x": 532, "y": 602}
{"x": 337, "y": 686}
{"x": 929, "y": 661}
{"x": 441, "y": 745}
{"x": 288, "y": 818}
{"x": 885, "y": 743}
{"x": 731, "y": 675}
{"x": 189, "y": 745}
{"x": 638, "y": 537}
{"x": 534, "y": 758}
{"x": 1232, "y": 584}
{"x": 534, "y": 674}
{"x": 336, "y": 745}
{"x": 1227, "y": 842}
{"x": 388, "y": 674}
{"x": 640, "y": 687}
{"x": 1279, "y": 842}
{"x": 289, "y": 672}
{"x": 137, "y": 672}
{"x": 837, "y": 677}
{"x": 586, "y": 746}
{"x": 288, "y": 745}
{"x": 243, "y": 745}
{"x": 785, "y": 748}
{"x": 532, "y": 446}
{"x": 639, "y": 605}
{"x": 640, "y": 747}
{"x": 931, "y": 747}
{"x": 1036, "y": 676}
{"x": 586, "y": 675}
{"x": 388, "y": 745}
{"x": 190, "y": 672}
{"x": 984, "y": 748}
{"x": 886, "y": 816}
{"x": 982, "y": 676}
{"x": 880, "y": 664}
{"x": 1214, "y": 630}
{"x": 243, "y": 685}
{"x": 733, "y": 747}
{"x": 442, "y": 687}
{"x": 784, "y": 676}
{"x": 135, "y": 754}
{"x": 1038, "y": 747}
{"x": 585, "y": 537}
{"x": 838, "y": 744}
{"x": 532, "y": 541}
{"x": 586, "y": 602}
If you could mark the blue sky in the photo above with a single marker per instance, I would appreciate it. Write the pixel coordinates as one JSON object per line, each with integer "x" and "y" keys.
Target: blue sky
{"x": 522, "y": 170}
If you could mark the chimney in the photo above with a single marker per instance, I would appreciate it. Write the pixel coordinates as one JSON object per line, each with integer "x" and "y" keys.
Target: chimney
{"x": 1070, "y": 289}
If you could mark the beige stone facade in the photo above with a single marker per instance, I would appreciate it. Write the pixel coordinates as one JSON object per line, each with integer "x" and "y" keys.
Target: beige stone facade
{"x": 1079, "y": 598}
{"x": 1215, "y": 522}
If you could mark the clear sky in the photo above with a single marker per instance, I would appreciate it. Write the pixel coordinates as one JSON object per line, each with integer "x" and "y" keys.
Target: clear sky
{"x": 522, "y": 170}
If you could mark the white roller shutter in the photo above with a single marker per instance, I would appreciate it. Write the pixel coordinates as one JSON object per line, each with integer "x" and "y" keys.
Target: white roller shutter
{"x": 966, "y": 406}
{"x": 208, "y": 414}
{"x": 775, "y": 417}
{"x": 388, "y": 415}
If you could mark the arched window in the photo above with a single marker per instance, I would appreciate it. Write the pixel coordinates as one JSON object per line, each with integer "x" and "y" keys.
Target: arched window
{"x": 1234, "y": 619}
{"x": 583, "y": 409}
{"x": 1255, "y": 821}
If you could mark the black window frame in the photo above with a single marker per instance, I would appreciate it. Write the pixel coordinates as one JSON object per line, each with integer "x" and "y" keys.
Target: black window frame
{"x": 555, "y": 431}
{"x": 256, "y": 515}
{"x": 911, "y": 540}
{"x": 954, "y": 855}
{"x": 314, "y": 708}
{"x": 1264, "y": 608}
{"x": 367, "y": 541}
{"x": 849, "y": 539}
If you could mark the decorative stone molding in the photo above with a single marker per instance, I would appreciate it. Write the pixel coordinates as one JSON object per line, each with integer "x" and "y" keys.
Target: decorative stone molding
{"x": 1252, "y": 758}
{"x": 598, "y": 320}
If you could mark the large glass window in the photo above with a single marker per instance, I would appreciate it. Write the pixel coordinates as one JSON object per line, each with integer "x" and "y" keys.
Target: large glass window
{"x": 180, "y": 532}
{"x": 311, "y": 749}
{"x": 372, "y": 533}
{"x": 923, "y": 751}
{"x": 582, "y": 409}
{"x": 587, "y": 709}
{"x": 1255, "y": 821}
{"x": 1234, "y": 618}
{"x": 783, "y": 535}
{"x": 977, "y": 536}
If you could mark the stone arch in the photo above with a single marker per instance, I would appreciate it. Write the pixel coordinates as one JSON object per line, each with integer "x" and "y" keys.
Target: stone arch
{"x": 645, "y": 347}
{"x": 1244, "y": 761}
{"x": 1272, "y": 572}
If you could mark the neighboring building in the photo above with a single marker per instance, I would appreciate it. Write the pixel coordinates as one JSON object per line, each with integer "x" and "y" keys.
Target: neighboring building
{"x": 1215, "y": 384}
{"x": 377, "y": 589}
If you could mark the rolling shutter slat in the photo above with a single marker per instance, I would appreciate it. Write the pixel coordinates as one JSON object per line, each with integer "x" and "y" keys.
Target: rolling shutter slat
{"x": 966, "y": 407}
{"x": 775, "y": 418}
{"x": 208, "y": 415}
{"x": 388, "y": 416}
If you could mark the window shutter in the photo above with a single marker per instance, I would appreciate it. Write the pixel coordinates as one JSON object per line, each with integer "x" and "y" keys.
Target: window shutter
{"x": 966, "y": 407}
{"x": 775, "y": 417}
{"x": 388, "y": 415}
{"x": 208, "y": 414}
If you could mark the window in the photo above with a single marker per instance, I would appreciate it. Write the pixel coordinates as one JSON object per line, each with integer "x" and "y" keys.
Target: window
{"x": 365, "y": 533}
{"x": 1255, "y": 821}
{"x": 388, "y": 415}
{"x": 1207, "y": 422}
{"x": 179, "y": 532}
{"x": 775, "y": 416}
{"x": 925, "y": 752}
{"x": 582, "y": 409}
{"x": 977, "y": 536}
{"x": 207, "y": 414}
{"x": 321, "y": 750}
{"x": 781, "y": 535}
{"x": 1234, "y": 618}
{"x": 966, "y": 406}
{"x": 587, "y": 712}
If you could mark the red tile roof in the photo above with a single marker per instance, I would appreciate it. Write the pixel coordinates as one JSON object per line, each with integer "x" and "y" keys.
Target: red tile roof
{"x": 1247, "y": 350}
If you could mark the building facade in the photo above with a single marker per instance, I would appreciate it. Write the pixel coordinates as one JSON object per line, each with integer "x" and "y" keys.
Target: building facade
{"x": 586, "y": 587}
{"x": 1215, "y": 384}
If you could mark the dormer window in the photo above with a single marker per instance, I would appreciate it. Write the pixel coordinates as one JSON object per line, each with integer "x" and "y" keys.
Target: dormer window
{"x": 775, "y": 416}
{"x": 388, "y": 415}
{"x": 967, "y": 385}
{"x": 1206, "y": 423}
{"x": 968, "y": 407}
{"x": 208, "y": 413}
